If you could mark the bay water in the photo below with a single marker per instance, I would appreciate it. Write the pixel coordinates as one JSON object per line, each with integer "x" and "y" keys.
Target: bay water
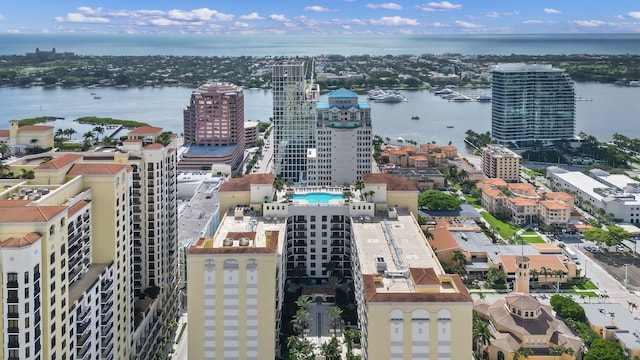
{"x": 612, "y": 109}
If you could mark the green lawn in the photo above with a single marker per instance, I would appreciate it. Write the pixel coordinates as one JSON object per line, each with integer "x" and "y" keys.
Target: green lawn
{"x": 505, "y": 231}
{"x": 473, "y": 201}
{"x": 533, "y": 239}
{"x": 529, "y": 233}
{"x": 586, "y": 286}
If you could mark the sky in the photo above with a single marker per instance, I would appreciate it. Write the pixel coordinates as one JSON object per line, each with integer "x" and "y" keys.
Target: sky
{"x": 329, "y": 17}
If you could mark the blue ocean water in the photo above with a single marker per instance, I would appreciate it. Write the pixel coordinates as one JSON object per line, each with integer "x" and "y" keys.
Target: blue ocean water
{"x": 306, "y": 45}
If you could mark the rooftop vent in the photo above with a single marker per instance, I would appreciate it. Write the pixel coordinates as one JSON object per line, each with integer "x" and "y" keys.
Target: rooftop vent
{"x": 244, "y": 242}
{"x": 227, "y": 242}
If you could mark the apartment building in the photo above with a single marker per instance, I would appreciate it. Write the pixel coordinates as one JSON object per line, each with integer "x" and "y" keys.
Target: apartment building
{"x": 500, "y": 162}
{"x": 343, "y": 140}
{"x": 214, "y": 128}
{"x": 96, "y": 247}
{"x": 21, "y": 139}
{"x": 294, "y": 120}
{"x": 531, "y": 103}
{"x": 407, "y": 306}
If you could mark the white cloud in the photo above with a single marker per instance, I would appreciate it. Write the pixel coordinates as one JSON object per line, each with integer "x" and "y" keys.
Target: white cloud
{"x": 439, "y": 6}
{"x": 89, "y": 11}
{"x": 317, "y": 8}
{"x": 386, "y": 6}
{"x": 253, "y": 16}
{"x": 533, "y": 22}
{"x": 278, "y": 17}
{"x": 203, "y": 14}
{"x": 394, "y": 21}
{"x": 589, "y": 23}
{"x": 81, "y": 18}
{"x": 494, "y": 14}
{"x": 552, "y": 11}
{"x": 634, "y": 14}
{"x": 440, "y": 25}
{"x": 240, "y": 24}
{"x": 165, "y": 22}
{"x": 468, "y": 25}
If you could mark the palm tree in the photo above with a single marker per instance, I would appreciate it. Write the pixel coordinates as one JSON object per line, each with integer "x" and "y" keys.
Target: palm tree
{"x": 33, "y": 142}
{"x": 300, "y": 349}
{"x": 481, "y": 334}
{"x": 300, "y": 321}
{"x": 303, "y": 302}
{"x": 99, "y": 130}
{"x": 278, "y": 184}
{"x": 534, "y": 274}
{"x": 545, "y": 272}
{"x": 350, "y": 337}
{"x": 459, "y": 258}
{"x": 560, "y": 350}
{"x": 70, "y": 132}
{"x": 359, "y": 185}
{"x": 330, "y": 349}
{"x": 59, "y": 133}
{"x": 632, "y": 306}
{"x": 4, "y": 149}
{"x": 523, "y": 353}
{"x": 334, "y": 315}
{"x": 558, "y": 274}
{"x": 88, "y": 136}
{"x": 427, "y": 233}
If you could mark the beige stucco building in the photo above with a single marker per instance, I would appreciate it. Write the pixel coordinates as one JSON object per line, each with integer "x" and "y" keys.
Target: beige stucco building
{"x": 500, "y": 162}
{"x": 22, "y": 138}
{"x": 407, "y": 307}
{"x": 88, "y": 250}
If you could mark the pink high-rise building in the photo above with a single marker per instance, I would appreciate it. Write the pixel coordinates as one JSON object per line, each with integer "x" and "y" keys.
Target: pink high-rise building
{"x": 214, "y": 127}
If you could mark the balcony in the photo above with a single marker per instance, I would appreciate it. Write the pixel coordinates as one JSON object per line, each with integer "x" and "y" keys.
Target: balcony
{"x": 82, "y": 327}
{"x": 106, "y": 338}
{"x": 81, "y": 340}
{"x": 13, "y": 300}
{"x": 14, "y": 345}
{"x": 107, "y": 317}
{"x": 12, "y": 284}
{"x": 85, "y": 349}
{"x": 106, "y": 330}
{"x": 13, "y": 330}
{"x": 106, "y": 286}
{"x": 106, "y": 307}
{"x": 83, "y": 315}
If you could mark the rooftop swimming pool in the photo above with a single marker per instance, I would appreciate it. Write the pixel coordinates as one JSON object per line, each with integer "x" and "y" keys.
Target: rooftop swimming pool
{"x": 317, "y": 197}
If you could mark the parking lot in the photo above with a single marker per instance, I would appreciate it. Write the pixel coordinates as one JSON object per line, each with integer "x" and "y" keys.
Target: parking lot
{"x": 614, "y": 263}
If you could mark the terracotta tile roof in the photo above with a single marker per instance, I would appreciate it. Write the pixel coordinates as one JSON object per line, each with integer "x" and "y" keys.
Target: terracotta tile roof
{"x": 27, "y": 214}
{"x": 521, "y": 186}
{"x": 77, "y": 207}
{"x": 244, "y": 183}
{"x": 154, "y": 146}
{"x": 17, "y": 242}
{"x": 442, "y": 240}
{"x": 448, "y": 148}
{"x": 393, "y": 183}
{"x": 15, "y": 203}
{"x": 487, "y": 183}
{"x": 145, "y": 130}
{"x": 5, "y": 133}
{"x": 372, "y": 295}
{"x": 35, "y": 127}
{"x": 546, "y": 248}
{"x": 555, "y": 205}
{"x": 519, "y": 201}
{"x": 59, "y": 162}
{"x": 424, "y": 276}
{"x": 550, "y": 262}
{"x": 133, "y": 140}
{"x": 558, "y": 196}
{"x": 95, "y": 169}
{"x": 419, "y": 157}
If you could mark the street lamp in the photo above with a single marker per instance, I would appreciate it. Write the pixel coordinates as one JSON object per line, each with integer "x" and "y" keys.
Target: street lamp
{"x": 626, "y": 273}
{"x": 586, "y": 262}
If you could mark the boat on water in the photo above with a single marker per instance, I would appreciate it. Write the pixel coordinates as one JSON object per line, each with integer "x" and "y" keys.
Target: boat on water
{"x": 97, "y": 97}
{"x": 449, "y": 126}
{"x": 94, "y": 94}
{"x": 483, "y": 98}
{"x": 460, "y": 98}
{"x": 378, "y": 95}
{"x": 415, "y": 117}
{"x": 445, "y": 91}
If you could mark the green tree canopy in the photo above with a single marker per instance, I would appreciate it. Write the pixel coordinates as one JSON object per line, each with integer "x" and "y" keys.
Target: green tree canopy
{"x": 604, "y": 350}
{"x": 437, "y": 200}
